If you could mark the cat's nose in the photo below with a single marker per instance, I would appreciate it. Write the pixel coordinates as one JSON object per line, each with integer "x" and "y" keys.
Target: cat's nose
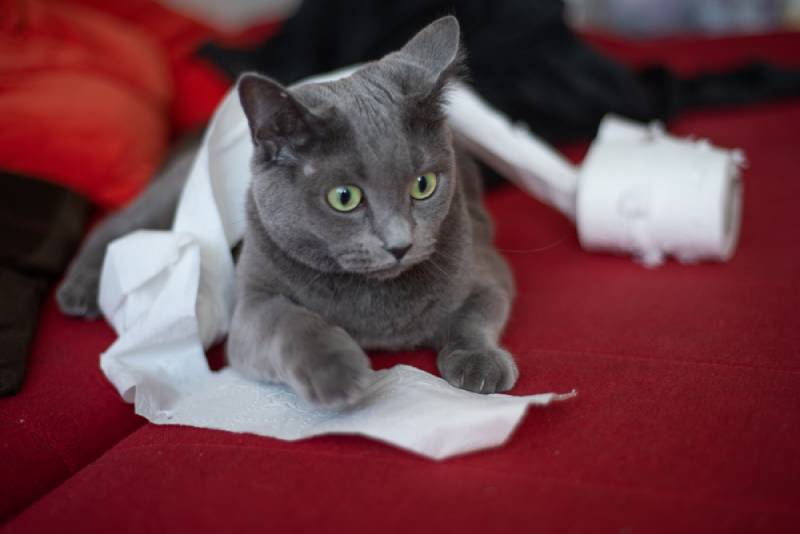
{"x": 399, "y": 252}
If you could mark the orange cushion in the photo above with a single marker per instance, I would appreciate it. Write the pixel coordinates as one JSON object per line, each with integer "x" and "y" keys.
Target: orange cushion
{"x": 84, "y": 99}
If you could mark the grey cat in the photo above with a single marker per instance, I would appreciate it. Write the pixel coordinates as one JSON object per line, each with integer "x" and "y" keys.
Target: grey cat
{"x": 365, "y": 230}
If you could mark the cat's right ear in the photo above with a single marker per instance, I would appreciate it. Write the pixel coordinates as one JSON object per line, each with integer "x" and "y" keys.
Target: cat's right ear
{"x": 279, "y": 124}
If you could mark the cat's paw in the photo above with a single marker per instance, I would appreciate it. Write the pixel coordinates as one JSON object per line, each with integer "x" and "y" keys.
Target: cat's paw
{"x": 334, "y": 371}
{"x": 481, "y": 371}
{"x": 77, "y": 295}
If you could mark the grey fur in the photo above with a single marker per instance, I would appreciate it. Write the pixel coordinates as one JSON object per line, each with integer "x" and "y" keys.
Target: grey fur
{"x": 154, "y": 209}
{"x": 317, "y": 287}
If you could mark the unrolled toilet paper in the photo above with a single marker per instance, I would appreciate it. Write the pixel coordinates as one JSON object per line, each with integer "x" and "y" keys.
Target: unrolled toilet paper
{"x": 513, "y": 151}
{"x": 639, "y": 191}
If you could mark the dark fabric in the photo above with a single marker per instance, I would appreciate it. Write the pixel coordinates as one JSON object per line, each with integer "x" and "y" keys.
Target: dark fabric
{"x": 40, "y": 225}
{"x": 754, "y": 82}
{"x": 19, "y": 309}
{"x": 523, "y": 58}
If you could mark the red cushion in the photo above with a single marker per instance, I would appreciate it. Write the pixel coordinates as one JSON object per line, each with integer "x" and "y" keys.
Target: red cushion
{"x": 66, "y": 415}
{"x": 681, "y": 53}
{"x": 687, "y": 417}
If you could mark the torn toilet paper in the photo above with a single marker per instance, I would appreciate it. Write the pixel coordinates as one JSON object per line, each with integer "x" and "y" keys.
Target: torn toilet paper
{"x": 169, "y": 295}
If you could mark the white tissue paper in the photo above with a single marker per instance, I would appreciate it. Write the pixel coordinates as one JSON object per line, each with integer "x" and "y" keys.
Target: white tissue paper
{"x": 170, "y": 294}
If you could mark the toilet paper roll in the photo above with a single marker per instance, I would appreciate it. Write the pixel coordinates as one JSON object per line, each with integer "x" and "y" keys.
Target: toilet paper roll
{"x": 644, "y": 192}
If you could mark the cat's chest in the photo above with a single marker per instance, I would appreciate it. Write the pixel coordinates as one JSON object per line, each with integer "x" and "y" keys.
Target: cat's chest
{"x": 385, "y": 315}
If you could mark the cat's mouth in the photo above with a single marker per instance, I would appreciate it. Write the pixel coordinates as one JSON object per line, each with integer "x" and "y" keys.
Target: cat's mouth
{"x": 389, "y": 272}
{"x": 383, "y": 271}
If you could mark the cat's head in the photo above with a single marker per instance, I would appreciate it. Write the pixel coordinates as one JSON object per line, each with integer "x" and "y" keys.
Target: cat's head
{"x": 357, "y": 175}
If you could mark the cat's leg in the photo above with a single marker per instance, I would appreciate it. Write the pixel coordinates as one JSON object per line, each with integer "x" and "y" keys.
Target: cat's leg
{"x": 274, "y": 340}
{"x": 154, "y": 209}
{"x": 470, "y": 357}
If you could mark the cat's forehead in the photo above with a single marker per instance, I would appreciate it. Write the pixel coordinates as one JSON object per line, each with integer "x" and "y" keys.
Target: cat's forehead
{"x": 370, "y": 98}
{"x": 373, "y": 117}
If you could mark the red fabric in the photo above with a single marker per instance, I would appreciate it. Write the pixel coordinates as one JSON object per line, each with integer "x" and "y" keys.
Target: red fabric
{"x": 201, "y": 88}
{"x": 66, "y": 415}
{"x": 82, "y": 99}
{"x": 86, "y": 96}
{"x": 687, "y": 418}
{"x": 198, "y": 85}
{"x": 717, "y": 53}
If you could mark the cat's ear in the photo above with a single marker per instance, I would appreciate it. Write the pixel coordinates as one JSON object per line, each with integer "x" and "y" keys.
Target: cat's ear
{"x": 279, "y": 124}
{"x": 435, "y": 52}
{"x": 436, "y": 48}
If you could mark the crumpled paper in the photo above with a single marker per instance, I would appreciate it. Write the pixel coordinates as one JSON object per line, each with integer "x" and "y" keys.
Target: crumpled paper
{"x": 170, "y": 294}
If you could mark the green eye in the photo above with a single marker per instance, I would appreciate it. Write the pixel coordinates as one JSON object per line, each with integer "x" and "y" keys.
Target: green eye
{"x": 344, "y": 198}
{"x": 423, "y": 186}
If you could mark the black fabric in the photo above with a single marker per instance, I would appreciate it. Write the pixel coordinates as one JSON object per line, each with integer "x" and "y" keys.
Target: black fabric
{"x": 523, "y": 59}
{"x": 750, "y": 83}
{"x": 40, "y": 226}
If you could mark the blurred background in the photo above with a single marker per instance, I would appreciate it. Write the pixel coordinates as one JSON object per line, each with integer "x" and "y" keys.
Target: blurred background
{"x": 632, "y": 18}
{"x": 644, "y": 18}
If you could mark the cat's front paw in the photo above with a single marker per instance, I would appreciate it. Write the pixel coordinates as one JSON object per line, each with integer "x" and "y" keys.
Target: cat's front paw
{"x": 481, "y": 371}
{"x": 333, "y": 371}
{"x": 77, "y": 295}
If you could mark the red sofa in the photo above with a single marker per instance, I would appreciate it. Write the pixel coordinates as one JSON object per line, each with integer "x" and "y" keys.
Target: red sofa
{"x": 688, "y": 417}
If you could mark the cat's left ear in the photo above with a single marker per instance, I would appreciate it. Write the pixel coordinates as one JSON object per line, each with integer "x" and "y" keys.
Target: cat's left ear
{"x": 435, "y": 53}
